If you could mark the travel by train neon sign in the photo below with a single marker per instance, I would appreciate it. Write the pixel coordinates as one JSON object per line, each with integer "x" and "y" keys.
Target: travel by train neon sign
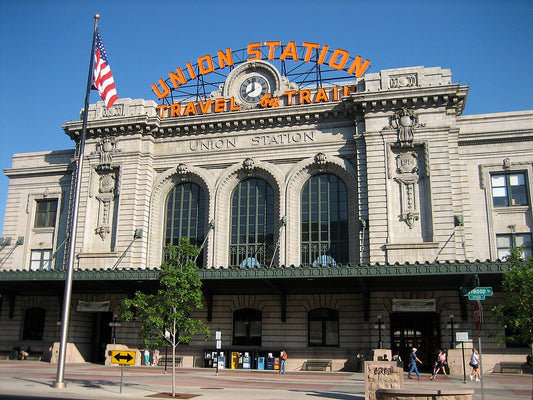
{"x": 308, "y": 52}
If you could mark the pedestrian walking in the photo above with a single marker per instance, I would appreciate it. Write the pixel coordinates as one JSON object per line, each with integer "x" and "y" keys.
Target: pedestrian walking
{"x": 474, "y": 363}
{"x": 413, "y": 367}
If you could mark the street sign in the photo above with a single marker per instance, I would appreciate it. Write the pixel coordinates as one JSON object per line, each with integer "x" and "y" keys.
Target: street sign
{"x": 476, "y": 293}
{"x": 461, "y": 336}
{"x": 123, "y": 357}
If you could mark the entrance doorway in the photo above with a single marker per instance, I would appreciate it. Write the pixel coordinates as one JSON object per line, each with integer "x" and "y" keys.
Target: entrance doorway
{"x": 416, "y": 329}
{"x": 101, "y": 335}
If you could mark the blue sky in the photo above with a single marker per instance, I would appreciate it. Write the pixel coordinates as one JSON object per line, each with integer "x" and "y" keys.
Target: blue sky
{"x": 46, "y": 48}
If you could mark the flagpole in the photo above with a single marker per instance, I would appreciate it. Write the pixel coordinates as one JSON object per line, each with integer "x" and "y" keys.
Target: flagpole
{"x": 68, "y": 281}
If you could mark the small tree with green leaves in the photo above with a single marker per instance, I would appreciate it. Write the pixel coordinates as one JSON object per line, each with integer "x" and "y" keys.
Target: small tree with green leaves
{"x": 516, "y": 314}
{"x": 165, "y": 316}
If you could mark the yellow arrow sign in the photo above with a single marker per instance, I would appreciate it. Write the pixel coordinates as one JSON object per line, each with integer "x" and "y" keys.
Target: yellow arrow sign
{"x": 123, "y": 357}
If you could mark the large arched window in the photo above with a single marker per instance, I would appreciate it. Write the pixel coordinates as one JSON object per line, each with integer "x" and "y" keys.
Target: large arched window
{"x": 247, "y": 327}
{"x": 185, "y": 215}
{"x": 252, "y": 224}
{"x": 325, "y": 239}
{"x": 323, "y": 327}
{"x": 33, "y": 324}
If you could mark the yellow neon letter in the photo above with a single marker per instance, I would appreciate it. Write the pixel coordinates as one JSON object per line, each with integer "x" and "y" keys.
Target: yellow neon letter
{"x": 158, "y": 93}
{"x": 225, "y": 59}
{"x": 204, "y": 107}
{"x": 271, "y": 48}
{"x": 177, "y": 78}
{"x": 253, "y": 51}
{"x": 190, "y": 109}
{"x": 358, "y": 68}
{"x": 309, "y": 50}
{"x": 323, "y": 54}
{"x": 161, "y": 110}
{"x": 205, "y": 69}
{"x": 290, "y": 50}
{"x": 344, "y": 57}
{"x": 175, "y": 110}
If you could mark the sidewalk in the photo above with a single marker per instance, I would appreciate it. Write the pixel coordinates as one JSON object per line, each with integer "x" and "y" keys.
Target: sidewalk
{"x": 34, "y": 379}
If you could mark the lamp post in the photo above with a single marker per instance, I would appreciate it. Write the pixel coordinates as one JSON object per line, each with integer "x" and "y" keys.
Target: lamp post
{"x": 114, "y": 325}
{"x": 379, "y": 326}
{"x": 451, "y": 325}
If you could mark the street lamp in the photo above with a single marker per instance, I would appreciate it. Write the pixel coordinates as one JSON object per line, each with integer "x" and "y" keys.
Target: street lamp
{"x": 114, "y": 325}
{"x": 451, "y": 325}
{"x": 379, "y": 326}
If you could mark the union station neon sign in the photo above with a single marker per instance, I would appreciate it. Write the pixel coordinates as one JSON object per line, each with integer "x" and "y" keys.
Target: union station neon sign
{"x": 337, "y": 59}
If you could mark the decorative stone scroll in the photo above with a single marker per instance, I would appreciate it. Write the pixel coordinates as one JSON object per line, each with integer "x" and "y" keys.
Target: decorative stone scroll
{"x": 407, "y": 177}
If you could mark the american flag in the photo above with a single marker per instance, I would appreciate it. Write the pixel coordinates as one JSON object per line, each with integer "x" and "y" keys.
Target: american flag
{"x": 102, "y": 76}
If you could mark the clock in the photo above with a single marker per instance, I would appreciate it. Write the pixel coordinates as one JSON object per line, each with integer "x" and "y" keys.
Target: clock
{"x": 253, "y": 88}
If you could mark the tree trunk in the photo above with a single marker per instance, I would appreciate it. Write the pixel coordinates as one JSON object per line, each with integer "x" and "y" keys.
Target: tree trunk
{"x": 173, "y": 370}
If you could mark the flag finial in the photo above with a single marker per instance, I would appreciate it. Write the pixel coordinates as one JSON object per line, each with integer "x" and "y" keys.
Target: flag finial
{"x": 96, "y": 16}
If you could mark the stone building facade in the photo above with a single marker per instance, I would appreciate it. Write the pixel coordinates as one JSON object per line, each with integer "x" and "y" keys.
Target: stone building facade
{"x": 332, "y": 223}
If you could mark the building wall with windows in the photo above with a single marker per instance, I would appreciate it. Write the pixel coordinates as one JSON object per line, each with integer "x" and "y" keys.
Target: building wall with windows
{"x": 391, "y": 177}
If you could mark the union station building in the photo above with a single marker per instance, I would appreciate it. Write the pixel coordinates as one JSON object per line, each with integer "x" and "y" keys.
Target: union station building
{"x": 335, "y": 217}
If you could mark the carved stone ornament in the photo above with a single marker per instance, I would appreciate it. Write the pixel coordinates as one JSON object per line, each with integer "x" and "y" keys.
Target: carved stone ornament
{"x": 407, "y": 163}
{"x": 181, "y": 169}
{"x": 320, "y": 159}
{"x": 105, "y": 149}
{"x": 404, "y": 121}
{"x": 248, "y": 165}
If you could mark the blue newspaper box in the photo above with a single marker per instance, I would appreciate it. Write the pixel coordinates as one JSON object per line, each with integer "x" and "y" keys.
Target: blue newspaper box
{"x": 261, "y": 363}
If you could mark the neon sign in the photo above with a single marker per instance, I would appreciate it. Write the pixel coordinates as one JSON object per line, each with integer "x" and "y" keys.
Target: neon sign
{"x": 338, "y": 59}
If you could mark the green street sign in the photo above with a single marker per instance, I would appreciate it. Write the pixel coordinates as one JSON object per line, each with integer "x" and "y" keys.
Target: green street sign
{"x": 477, "y": 293}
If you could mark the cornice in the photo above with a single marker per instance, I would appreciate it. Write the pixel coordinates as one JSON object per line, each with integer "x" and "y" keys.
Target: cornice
{"x": 452, "y": 97}
{"x": 276, "y": 272}
{"x": 214, "y": 122}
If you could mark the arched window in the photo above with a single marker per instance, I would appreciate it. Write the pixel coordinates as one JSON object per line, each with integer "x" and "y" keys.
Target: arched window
{"x": 252, "y": 224}
{"x": 33, "y": 324}
{"x": 185, "y": 216}
{"x": 324, "y": 211}
{"x": 247, "y": 327}
{"x": 323, "y": 327}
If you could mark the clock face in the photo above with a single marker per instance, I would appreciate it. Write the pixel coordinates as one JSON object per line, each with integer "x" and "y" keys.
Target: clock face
{"x": 253, "y": 89}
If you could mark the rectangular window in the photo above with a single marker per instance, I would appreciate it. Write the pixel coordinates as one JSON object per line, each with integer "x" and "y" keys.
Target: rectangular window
{"x": 41, "y": 259}
{"x": 45, "y": 213}
{"x": 507, "y": 242}
{"x": 509, "y": 190}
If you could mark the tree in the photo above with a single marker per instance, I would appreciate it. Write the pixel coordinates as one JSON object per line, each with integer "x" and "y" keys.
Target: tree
{"x": 165, "y": 317}
{"x": 516, "y": 314}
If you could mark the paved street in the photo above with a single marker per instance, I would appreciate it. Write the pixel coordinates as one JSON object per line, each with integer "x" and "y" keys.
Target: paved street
{"x": 20, "y": 380}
